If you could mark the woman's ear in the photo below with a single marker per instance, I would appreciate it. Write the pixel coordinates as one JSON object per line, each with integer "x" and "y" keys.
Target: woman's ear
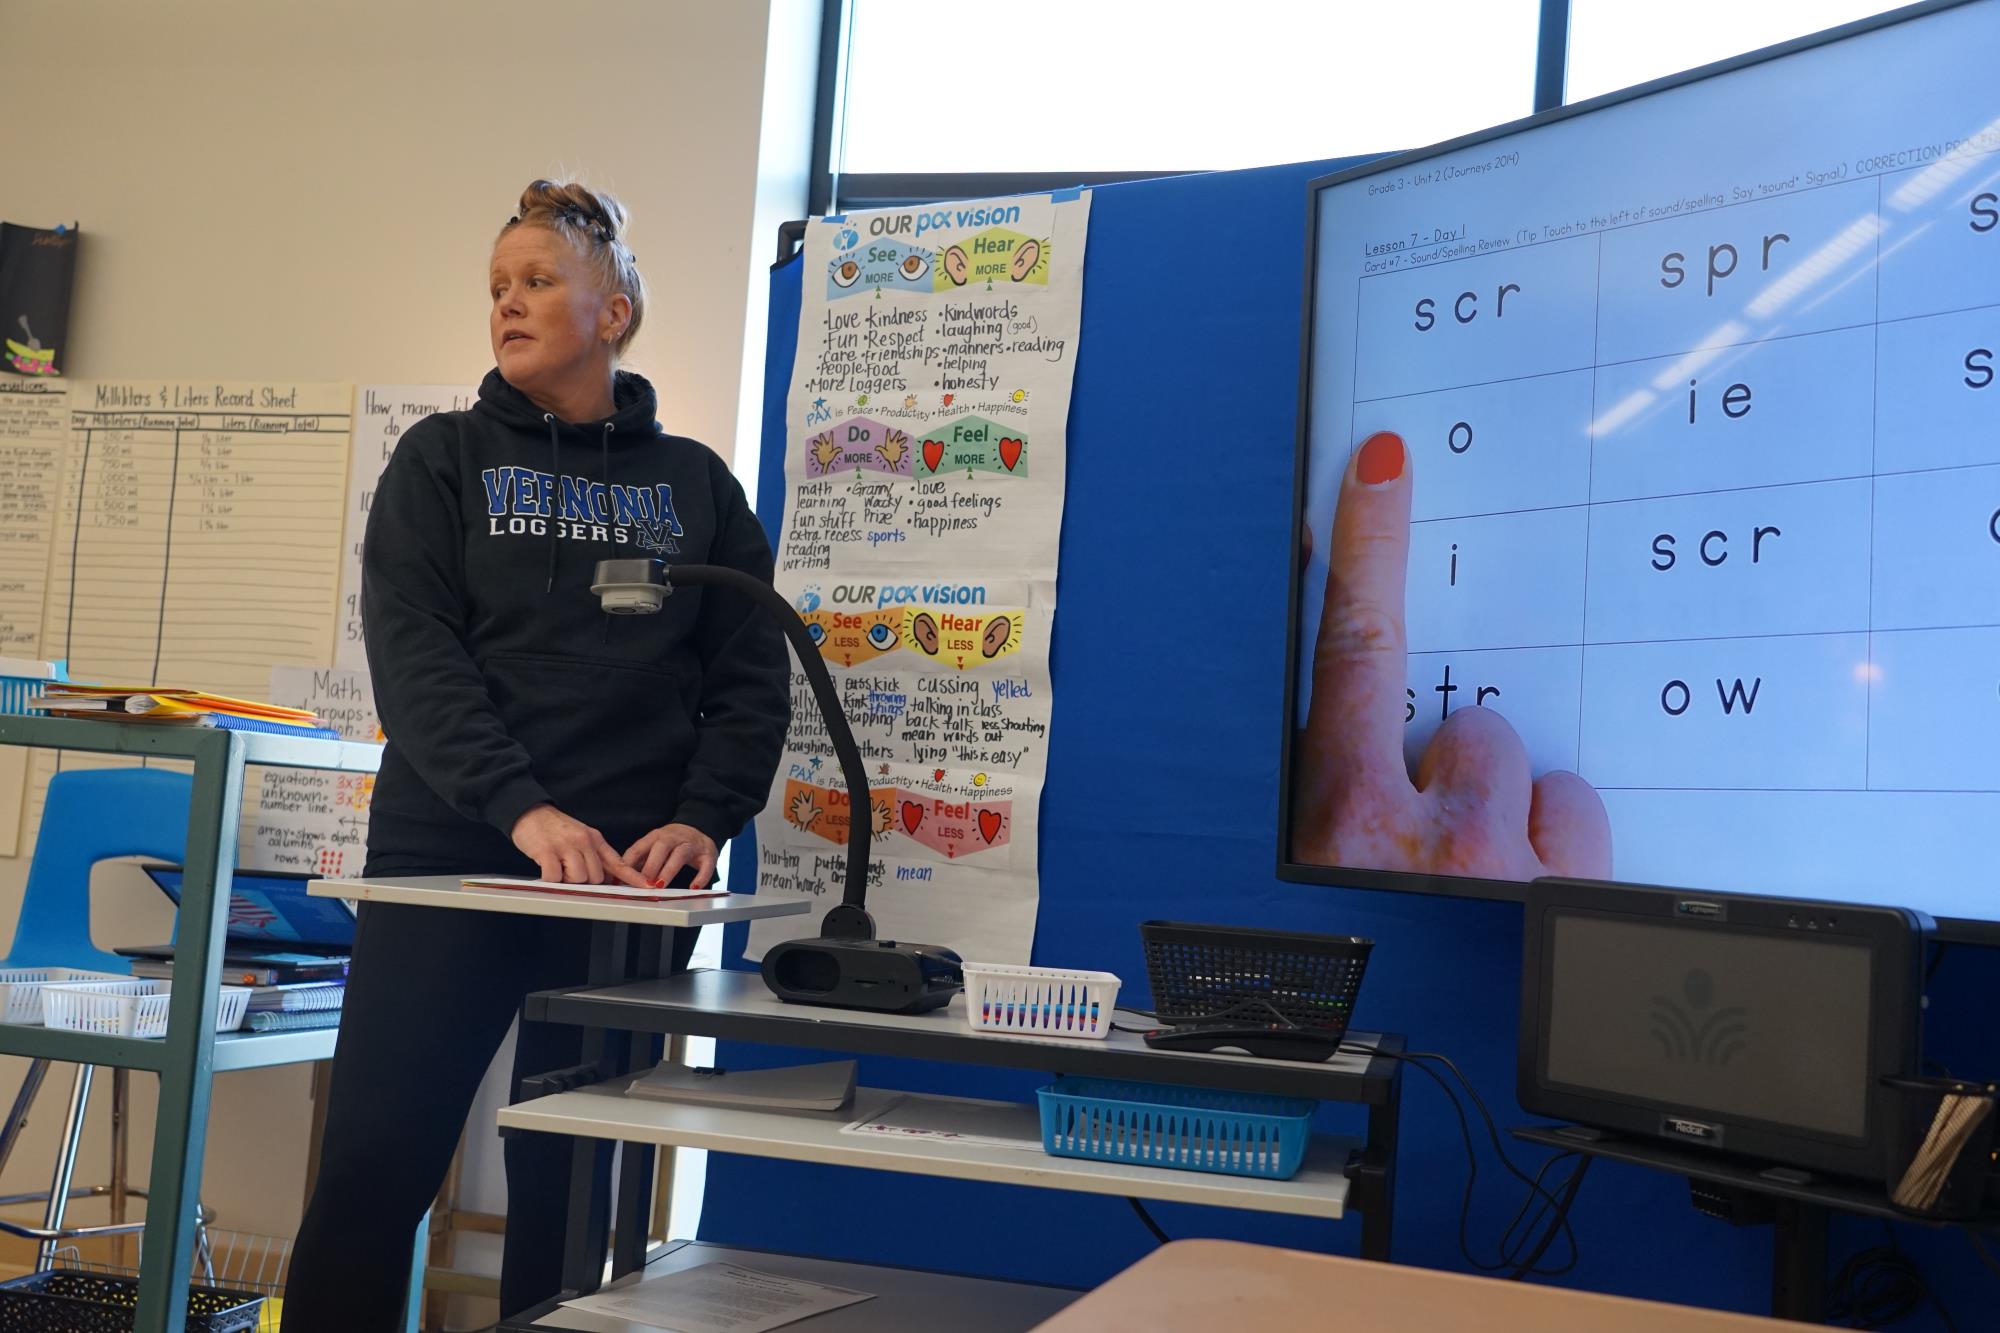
{"x": 617, "y": 318}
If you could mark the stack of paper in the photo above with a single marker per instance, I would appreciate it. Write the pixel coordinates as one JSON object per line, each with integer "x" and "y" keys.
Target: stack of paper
{"x": 658, "y": 893}
{"x": 143, "y": 703}
{"x": 820, "y": 1087}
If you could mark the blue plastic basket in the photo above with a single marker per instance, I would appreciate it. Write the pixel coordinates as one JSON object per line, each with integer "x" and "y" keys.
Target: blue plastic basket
{"x": 1192, "y": 1129}
{"x": 15, "y": 691}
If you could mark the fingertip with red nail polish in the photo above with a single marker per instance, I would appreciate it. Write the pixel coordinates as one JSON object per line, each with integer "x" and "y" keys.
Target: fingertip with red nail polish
{"x": 1381, "y": 459}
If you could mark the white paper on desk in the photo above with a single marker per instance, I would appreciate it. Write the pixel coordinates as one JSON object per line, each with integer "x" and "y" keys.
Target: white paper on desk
{"x": 958, "y": 1120}
{"x": 719, "y": 1298}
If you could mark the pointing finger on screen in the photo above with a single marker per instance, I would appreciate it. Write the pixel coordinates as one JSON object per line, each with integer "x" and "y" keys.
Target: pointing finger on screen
{"x": 1354, "y": 725}
{"x": 1569, "y": 828}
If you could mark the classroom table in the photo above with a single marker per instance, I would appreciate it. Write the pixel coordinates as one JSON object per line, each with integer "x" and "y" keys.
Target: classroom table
{"x": 1202, "y": 1286}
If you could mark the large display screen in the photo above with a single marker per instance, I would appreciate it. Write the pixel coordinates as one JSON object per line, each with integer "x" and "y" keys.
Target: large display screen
{"x": 1650, "y": 490}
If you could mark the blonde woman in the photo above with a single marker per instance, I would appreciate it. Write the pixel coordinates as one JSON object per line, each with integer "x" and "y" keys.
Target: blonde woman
{"x": 529, "y": 733}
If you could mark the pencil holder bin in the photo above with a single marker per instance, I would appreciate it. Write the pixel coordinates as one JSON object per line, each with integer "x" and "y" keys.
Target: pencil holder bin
{"x": 1039, "y": 1001}
{"x": 130, "y": 1008}
{"x": 21, "y": 989}
{"x": 1191, "y": 1129}
{"x": 1960, "y": 1162}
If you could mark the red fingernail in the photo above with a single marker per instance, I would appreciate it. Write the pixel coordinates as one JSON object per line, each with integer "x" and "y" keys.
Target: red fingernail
{"x": 659, "y": 884}
{"x": 1381, "y": 459}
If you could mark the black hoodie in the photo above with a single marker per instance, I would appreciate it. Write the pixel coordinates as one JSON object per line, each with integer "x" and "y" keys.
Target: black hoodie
{"x": 501, "y": 683}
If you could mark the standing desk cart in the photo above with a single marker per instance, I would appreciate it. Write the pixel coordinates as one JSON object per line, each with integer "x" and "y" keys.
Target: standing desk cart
{"x": 588, "y": 1103}
{"x": 192, "y": 1052}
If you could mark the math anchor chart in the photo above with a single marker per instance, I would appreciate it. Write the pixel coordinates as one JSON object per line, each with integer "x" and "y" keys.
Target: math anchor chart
{"x": 924, "y": 472}
{"x": 314, "y": 821}
{"x": 1703, "y": 432}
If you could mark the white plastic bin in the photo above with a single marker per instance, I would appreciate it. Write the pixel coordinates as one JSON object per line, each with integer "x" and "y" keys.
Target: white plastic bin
{"x": 21, "y": 989}
{"x": 130, "y": 1008}
{"x": 1039, "y": 1001}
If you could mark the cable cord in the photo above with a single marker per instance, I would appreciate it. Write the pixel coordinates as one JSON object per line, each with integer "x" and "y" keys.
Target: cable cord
{"x": 1879, "y": 1286}
{"x": 1540, "y": 1198}
{"x": 1152, "y": 1226}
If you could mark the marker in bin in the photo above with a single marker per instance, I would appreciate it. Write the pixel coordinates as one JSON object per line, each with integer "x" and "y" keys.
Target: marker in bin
{"x": 1010, "y": 1011}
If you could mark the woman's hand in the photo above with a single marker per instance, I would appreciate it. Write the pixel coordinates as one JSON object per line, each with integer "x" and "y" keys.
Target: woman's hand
{"x": 570, "y": 851}
{"x": 1474, "y": 808}
{"x": 664, "y": 852}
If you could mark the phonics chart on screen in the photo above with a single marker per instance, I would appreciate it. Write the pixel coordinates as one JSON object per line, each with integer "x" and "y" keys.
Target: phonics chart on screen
{"x": 1701, "y": 398}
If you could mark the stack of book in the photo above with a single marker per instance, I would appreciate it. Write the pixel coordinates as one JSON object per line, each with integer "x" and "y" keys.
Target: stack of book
{"x": 177, "y": 707}
{"x": 288, "y": 991}
{"x": 250, "y": 969}
{"x": 305, "y": 1005}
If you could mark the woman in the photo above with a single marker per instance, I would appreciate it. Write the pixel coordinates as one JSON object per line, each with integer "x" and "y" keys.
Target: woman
{"x": 529, "y": 733}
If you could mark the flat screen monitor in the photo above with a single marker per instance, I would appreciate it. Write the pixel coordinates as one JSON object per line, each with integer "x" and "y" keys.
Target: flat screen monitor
{"x": 1761, "y": 1027}
{"x": 1649, "y": 490}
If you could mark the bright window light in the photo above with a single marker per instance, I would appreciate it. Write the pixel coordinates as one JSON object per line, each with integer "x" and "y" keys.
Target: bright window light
{"x": 1617, "y": 43}
{"x": 1120, "y": 85}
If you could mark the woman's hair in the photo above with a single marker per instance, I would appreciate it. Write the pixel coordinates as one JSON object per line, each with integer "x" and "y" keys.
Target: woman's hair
{"x": 594, "y": 223}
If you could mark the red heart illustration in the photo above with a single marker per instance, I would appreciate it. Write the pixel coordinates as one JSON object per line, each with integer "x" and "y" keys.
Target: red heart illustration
{"x": 989, "y": 825}
{"x": 933, "y": 454}
{"x": 1010, "y": 453}
{"x": 913, "y": 815}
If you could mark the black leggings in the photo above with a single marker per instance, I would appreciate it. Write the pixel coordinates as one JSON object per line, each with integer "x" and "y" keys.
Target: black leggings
{"x": 429, "y": 998}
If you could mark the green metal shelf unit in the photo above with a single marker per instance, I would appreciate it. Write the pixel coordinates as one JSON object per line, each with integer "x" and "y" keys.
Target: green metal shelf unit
{"x": 191, "y": 1053}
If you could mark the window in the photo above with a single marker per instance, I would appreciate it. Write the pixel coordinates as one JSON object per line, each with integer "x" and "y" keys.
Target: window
{"x": 942, "y": 99}
{"x": 1617, "y": 43}
{"x": 1077, "y": 92}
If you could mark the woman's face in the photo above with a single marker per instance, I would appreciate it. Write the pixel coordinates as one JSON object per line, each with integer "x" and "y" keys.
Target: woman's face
{"x": 552, "y": 326}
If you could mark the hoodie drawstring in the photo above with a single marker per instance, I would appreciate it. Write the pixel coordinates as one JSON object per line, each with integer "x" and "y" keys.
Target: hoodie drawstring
{"x": 555, "y": 470}
{"x": 610, "y": 500}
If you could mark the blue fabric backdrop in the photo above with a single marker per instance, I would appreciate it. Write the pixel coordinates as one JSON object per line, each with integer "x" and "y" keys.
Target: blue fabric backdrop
{"x": 1162, "y": 801}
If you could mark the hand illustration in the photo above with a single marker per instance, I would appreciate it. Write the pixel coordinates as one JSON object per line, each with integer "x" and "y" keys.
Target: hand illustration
{"x": 880, "y": 816}
{"x": 1472, "y": 809}
{"x": 825, "y": 452}
{"x": 893, "y": 447}
{"x": 803, "y": 810}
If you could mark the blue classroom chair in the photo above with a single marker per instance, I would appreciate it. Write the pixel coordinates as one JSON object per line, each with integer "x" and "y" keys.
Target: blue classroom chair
{"x": 90, "y": 815}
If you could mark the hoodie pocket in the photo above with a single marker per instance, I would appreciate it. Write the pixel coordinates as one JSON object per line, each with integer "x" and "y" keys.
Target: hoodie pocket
{"x": 610, "y": 740}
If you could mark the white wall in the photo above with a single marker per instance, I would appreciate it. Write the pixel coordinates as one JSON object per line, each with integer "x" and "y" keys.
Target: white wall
{"x": 309, "y": 191}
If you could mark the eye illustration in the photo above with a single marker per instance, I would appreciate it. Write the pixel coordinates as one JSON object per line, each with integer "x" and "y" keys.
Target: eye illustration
{"x": 846, "y": 273}
{"x": 881, "y": 636}
{"x": 915, "y": 266}
{"x": 817, "y": 632}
